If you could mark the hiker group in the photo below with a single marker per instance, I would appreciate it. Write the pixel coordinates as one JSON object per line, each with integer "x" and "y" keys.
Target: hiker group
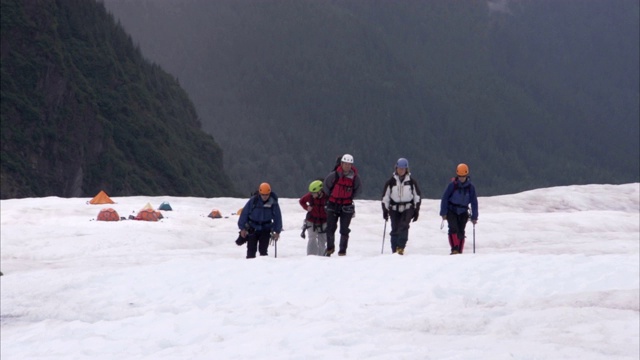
{"x": 329, "y": 204}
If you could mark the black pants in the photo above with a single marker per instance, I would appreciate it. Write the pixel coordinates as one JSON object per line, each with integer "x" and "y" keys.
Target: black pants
{"x": 259, "y": 240}
{"x": 400, "y": 228}
{"x": 335, "y": 213}
{"x": 457, "y": 223}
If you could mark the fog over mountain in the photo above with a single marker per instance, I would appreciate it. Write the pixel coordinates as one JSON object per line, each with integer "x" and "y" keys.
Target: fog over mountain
{"x": 528, "y": 93}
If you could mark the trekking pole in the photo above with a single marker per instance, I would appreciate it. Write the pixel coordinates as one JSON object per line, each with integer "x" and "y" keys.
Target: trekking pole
{"x": 384, "y": 233}
{"x": 275, "y": 244}
{"x": 442, "y": 224}
{"x": 474, "y": 238}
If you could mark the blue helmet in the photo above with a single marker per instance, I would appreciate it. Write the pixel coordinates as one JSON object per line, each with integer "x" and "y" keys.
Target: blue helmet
{"x": 402, "y": 163}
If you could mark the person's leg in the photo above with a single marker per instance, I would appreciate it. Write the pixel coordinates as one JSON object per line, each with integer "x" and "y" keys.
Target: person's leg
{"x": 263, "y": 242}
{"x": 462, "y": 223}
{"x": 332, "y": 226}
{"x": 394, "y": 218}
{"x": 252, "y": 245}
{"x": 403, "y": 229}
{"x": 345, "y": 221}
{"x": 452, "y": 220}
{"x": 322, "y": 238}
{"x": 312, "y": 244}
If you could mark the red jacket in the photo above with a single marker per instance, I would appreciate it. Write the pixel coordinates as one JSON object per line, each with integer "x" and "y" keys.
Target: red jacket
{"x": 317, "y": 215}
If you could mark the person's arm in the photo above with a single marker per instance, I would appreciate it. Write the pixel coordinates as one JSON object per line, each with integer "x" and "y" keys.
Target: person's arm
{"x": 277, "y": 218}
{"x": 386, "y": 199}
{"x": 357, "y": 184}
{"x": 305, "y": 200}
{"x": 417, "y": 199}
{"x": 474, "y": 204}
{"x": 328, "y": 183}
{"x": 244, "y": 219}
{"x": 417, "y": 194}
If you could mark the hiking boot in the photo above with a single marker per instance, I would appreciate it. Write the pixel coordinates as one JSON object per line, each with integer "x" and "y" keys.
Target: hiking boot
{"x": 400, "y": 251}
{"x": 329, "y": 252}
{"x": 454, "y": 252}
{"x": 342, "y": 253}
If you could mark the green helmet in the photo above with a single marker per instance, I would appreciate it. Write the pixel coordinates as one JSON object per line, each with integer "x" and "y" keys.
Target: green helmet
{"x": 315, "y": 186}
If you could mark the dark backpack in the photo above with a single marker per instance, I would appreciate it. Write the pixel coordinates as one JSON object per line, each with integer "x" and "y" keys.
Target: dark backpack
{"x": 335, "y": 171}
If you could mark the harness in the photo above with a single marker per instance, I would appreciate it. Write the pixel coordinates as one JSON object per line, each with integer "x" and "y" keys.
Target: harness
{"x": 319, "y": 228}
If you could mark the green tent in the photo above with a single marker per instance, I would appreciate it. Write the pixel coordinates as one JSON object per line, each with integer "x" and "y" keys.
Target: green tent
{"x": 165, "y": 206}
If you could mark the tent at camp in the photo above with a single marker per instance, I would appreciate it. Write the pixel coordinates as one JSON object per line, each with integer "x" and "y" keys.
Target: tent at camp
{"x": 147, "y": 213}
{"x": 165, "y": 206}
{"x": 108, "y": 214}
{"x": 239, "y": 211}
{"x": 101, "y": 198}
{"x": 215, "y": 214}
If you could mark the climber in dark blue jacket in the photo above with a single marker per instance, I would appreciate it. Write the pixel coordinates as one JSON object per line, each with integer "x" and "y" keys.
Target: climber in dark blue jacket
{"x": 454, "y": 207}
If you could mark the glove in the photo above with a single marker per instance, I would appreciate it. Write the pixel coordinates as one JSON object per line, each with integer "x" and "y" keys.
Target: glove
{"x": 240, "y": 240}
{"x": 474, "y": 221}
{"x": 385, "y": 213}
{"x": 243, "y": 233}
{"x": 415, "y": 215}
{"x": 275, "y": 236}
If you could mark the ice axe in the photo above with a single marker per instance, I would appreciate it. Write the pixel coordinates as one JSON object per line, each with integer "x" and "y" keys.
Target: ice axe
{"x": 384, "y": 233}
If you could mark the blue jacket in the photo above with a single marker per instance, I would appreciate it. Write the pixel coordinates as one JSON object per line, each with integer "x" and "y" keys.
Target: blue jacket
{"x": 261, "y": 215}
{"x": 457, "y": 198}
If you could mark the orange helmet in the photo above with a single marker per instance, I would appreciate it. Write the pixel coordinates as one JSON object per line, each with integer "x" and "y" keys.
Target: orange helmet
{"x": 264, "y": 189}
{"x": 462, "y": 170}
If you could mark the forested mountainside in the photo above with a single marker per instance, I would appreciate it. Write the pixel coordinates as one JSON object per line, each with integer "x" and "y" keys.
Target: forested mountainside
{"x": 529, "y": 93}
{"x": 83, "y": 111}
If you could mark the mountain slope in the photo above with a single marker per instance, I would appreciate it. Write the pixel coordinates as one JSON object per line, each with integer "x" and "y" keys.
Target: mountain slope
{"x": 83, "y": 111}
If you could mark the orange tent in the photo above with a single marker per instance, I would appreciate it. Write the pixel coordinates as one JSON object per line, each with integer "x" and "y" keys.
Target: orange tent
{"x": 148, "y": 215}
{"x": 108, "y": 214}
{"x": 101, "y": 198}
{"x": 215, "y": 214}
{"x": 239, "y": 211}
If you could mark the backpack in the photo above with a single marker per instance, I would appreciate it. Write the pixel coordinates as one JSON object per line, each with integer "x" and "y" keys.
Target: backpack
{"x": 335, "y": 171}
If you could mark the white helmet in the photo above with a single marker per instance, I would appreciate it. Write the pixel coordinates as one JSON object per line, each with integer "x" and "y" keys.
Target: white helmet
{"x": 346, "y": 158}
